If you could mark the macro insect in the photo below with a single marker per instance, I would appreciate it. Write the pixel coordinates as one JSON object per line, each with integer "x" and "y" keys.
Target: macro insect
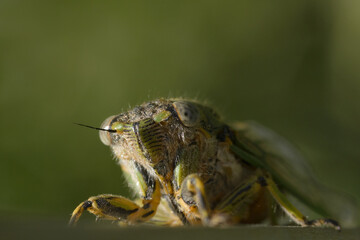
{"x": 187, "y": 167}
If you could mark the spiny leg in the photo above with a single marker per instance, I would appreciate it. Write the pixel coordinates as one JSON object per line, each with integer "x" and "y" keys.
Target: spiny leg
{"x": 236, "y": 203}
{"x": 291, "y": 210}
{"x": 105, "y": 206}
{"x": 119, "y": 208}
{"x": 192, "y": 192}
{"x": 247, "y": 203}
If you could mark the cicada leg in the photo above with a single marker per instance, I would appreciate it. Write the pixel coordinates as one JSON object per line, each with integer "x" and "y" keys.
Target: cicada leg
{"x": 235, "y": 207}
{"x": 247, "y": 203}
{"x": 119, "y": 208}
{"x": 249, "y": 197}
{"x": 192, "y": 194}
{"x": 292, "y": 211}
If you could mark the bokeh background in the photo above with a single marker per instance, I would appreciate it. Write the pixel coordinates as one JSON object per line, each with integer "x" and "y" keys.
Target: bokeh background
{"x": 291, "y": 65}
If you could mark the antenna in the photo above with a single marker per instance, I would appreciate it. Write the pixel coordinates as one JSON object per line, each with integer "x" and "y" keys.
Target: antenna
{"x": 100, "y": 129}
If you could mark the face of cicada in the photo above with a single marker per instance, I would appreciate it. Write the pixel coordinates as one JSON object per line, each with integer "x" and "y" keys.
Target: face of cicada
{"x": 152, "y": 134}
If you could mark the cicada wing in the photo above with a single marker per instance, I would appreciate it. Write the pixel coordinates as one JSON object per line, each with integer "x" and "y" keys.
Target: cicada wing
{"x": 264, "y": 148}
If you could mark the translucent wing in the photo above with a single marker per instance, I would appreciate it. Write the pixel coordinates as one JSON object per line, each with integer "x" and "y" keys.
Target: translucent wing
{"x": 264, "y": 148}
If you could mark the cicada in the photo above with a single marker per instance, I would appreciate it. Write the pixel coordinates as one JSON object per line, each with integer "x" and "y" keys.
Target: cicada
{"x": 186, "y": 166}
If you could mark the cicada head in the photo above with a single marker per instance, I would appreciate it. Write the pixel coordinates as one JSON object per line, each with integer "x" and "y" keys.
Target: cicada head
{"x": 152, "y": 133}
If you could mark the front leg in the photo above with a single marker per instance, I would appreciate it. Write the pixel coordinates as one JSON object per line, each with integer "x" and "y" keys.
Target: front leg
{"x": 193, "y": 199}
{"x": 119, "y": 208}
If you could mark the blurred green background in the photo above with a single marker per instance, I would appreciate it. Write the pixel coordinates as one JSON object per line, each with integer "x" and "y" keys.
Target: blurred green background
{"x": 290, "y": 65}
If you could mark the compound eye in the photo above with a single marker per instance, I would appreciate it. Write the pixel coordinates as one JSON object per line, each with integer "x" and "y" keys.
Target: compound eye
{"x": 187, "y": 112}
{"x": 104, "y": 135}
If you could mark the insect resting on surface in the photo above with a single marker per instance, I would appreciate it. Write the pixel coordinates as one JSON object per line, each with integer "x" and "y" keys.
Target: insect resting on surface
{"x": 187, "y": 167}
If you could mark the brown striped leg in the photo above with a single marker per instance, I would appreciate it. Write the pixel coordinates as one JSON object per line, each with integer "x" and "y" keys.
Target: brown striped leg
{"x": 119, "y": 208}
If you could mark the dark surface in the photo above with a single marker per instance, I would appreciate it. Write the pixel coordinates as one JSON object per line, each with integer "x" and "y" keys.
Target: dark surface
{"x": 57, "y": 230}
